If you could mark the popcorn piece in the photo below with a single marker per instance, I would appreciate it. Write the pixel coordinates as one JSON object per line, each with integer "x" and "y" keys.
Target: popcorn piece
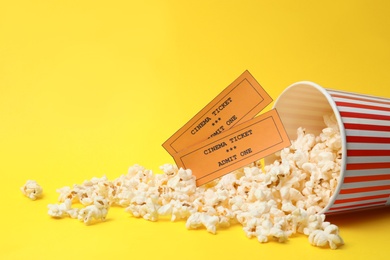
{"x": 279, "y": 232}
{"x": 202, "y": 219}
{"x": 32, "y": 190}
{"x": 327, "y": 236}
{"x": 334, "y": 238}
{"x": 62, "y": 210}
{"x": 97, "y": 211}
{"x": 263, "y": 230}
{"x": 66, "y": 193}
{"x": 318, "y": 238}
{"x": 315, "y": 222}
{"x": 145, "y": 207}
{"x": 176, "y": 209}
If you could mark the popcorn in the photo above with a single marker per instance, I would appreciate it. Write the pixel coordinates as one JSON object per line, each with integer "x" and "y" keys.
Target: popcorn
{"x": 263, "y": 230}
{"x": 97, "y": 211}
{"x": 202, "y": 219}
{"x": 280, "y": 232}
{"x": 328, "y": 236}
{"x": 315, "y": 222}
{"x": 62, "y": 210}
{"x": 32, "y": 190}
{"x": 284, "y": 198}
{"x": 176, "y": 209}
{"x": 144, "y": 207}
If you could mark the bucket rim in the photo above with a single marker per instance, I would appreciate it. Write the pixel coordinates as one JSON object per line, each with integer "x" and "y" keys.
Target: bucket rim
{"x": 336, "y": 112}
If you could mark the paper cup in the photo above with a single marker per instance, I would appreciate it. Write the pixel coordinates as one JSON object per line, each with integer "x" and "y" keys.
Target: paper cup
{"x": 364, "y": 122}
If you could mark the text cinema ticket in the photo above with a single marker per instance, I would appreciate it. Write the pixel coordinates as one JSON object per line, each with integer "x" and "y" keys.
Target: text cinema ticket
{"x": 234, "y": 148}
{"x": 240, "y": 101}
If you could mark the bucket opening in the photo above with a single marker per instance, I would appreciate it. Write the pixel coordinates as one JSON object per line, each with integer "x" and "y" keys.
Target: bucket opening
{"x": 304, "y": 104}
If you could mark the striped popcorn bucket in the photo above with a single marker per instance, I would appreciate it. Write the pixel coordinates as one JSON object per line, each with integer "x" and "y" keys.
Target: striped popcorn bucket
{"x": 364, "y": 123}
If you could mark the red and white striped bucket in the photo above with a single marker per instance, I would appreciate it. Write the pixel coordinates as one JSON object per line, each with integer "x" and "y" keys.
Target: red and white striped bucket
{"x": 364, "y": 123}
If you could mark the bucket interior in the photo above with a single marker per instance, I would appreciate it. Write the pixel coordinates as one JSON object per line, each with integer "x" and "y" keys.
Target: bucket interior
{"x": 304, "y": 104}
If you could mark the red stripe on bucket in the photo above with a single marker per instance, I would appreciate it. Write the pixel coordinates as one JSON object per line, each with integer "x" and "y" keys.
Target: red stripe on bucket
{"x": 341, "y": 201}
{"x": 350, "y": 179}
{"x": 383, "y": 128}
{"x": 365, "y": 189}
{"x": 365, "y": 166}
{"x": 368, "y": 139}
{"x": 366, "y": 116}
{"x": 360, "y": 205}
{"x": 368, "y": 152}
{"x": 361, "y": 99}
{"x": 357, "y": 105}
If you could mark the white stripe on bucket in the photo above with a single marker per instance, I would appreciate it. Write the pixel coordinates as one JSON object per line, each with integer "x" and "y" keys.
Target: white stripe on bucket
{"x": 370, "y": 159}
{"x": 367, "y": 172}
{"x": 366, "y": 103}
{"x": 367, "y": 146}
{"x": 363, "y": 111}
{"x": 354, "y": 185}
{"x": 366, "y": 121}
{"x": 366, "y": 194}
{"x": 355, "y": 96}
{"x": 370, "y": 133}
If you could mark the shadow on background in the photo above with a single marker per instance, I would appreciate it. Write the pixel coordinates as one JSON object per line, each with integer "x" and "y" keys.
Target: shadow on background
{"x": 359, "y": 217}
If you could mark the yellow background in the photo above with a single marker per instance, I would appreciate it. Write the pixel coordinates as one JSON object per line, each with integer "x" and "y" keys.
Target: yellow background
{"x": 89, "y": 88}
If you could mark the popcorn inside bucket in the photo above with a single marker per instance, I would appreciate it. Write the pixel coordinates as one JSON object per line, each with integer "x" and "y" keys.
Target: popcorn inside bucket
{"x": 364, "y": 125}
{"x": 305, "y": 104}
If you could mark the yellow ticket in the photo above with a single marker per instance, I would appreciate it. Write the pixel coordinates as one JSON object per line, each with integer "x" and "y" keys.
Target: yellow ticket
{"x": 234, "y": 148}
{"x": 240, "y": 101}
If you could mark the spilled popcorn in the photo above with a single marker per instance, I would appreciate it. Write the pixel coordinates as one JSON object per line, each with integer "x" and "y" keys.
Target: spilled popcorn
{"x": 32, "y": 190}
{"x": 98, "y": 210}
{"x": 284, "y": 198}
